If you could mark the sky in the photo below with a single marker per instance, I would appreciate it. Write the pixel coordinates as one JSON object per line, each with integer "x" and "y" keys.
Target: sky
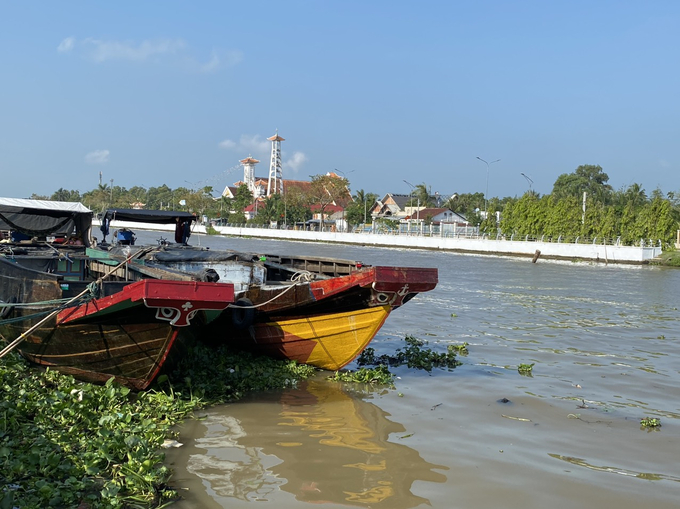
{"x": 389, "y": 94}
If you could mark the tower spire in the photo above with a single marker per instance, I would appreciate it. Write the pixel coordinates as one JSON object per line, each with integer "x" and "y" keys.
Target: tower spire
{"x": 275, "y": 183}
{"x": 249, "y": 172}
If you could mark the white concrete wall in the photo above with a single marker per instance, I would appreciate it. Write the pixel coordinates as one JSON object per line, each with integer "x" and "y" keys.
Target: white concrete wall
{"x": 603, "y": 253}
{"x": 596, "y": 252}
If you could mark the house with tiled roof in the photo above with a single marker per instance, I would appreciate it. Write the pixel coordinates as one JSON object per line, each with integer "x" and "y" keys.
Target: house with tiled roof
{"x": 230, "y": 191}
{"x": 251, "y": 210}
{"x": 436, "y": 216}
{"x": 396, "y": 206}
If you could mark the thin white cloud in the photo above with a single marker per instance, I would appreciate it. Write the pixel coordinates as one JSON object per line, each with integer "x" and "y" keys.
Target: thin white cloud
{"x": 213, "y": 64}
{"x": 101, "y": 51}
{"x": 248, "y": 144}
{"x": 228, "y": 144}
{"x": 295, "y": 163}
{"x": 97, "y": 157}
{"x": 260, "y": 148}
{"x": 66, "y": 45}
{"x": 222, "y": 59}
{"x": 175, "y": 51}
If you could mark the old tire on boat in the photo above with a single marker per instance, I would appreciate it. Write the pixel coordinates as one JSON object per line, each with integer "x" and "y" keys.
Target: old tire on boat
{"x": 242, "y": 314}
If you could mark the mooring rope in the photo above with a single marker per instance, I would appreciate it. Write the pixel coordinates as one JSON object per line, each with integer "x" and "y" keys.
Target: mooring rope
{"x": 299, "y": 278}
{"x": 42, "y": 303}
{"x": 90, "y": 289}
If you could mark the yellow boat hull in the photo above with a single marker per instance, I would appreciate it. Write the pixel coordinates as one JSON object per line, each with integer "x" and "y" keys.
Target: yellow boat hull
{"x": 328, "y": 341}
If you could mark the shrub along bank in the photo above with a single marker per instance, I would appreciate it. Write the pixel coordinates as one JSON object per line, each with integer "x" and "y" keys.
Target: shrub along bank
{"x": 64, "y": 443}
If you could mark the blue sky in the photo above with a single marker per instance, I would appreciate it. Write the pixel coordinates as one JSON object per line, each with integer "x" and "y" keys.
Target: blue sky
{"x": 176, "y": 93}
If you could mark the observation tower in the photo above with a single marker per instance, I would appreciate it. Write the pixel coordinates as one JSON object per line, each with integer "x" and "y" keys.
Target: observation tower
{"x": 275, "y": 183}
{"x": 249, "y": 172}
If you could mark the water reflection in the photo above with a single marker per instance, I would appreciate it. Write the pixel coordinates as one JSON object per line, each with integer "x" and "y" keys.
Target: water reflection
{"x": 318, "y": 443}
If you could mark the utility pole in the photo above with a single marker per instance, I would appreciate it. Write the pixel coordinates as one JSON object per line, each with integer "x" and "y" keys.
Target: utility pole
{"x": 583, "y": 218}
{"x": 486, "y": 193}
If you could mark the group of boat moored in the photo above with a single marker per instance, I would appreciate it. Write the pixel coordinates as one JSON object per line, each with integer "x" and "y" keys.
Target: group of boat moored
{"x": 127, "y": 311}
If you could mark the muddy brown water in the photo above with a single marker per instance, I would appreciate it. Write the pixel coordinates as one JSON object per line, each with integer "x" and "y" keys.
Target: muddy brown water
{"x": 605, "y": 343}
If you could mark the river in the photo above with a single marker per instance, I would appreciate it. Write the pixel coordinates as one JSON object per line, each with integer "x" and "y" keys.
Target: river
{"x": 604, "y": 343}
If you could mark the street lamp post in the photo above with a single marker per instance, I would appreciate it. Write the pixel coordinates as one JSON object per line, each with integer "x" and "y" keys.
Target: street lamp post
{"x": 529, "y": 181}
{"x": 486, "y": 194}
{"x": 411, "y": 195}
{"x": 343, "y": 208}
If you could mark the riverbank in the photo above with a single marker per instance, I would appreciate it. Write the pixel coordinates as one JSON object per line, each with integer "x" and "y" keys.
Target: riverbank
{"x": 601, "y": 253}
{"x": 667, "y": 259}
{"x": 66, "y": 443}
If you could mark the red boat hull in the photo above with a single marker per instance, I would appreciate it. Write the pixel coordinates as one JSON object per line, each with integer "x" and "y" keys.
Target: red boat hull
{"x": 130, "y": 334}
{"x": 326, "y": 323}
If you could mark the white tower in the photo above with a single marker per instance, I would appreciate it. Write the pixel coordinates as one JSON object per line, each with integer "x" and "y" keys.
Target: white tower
{"x": 275, "y": 183}
{"x": 249, "y": 172}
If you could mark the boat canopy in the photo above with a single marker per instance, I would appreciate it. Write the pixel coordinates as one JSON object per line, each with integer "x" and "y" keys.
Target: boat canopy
{"x": 147, "y": 216}
{"x": 40, "y": 218}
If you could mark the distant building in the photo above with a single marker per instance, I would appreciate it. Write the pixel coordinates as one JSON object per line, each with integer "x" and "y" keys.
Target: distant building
{"x": 393, "y": 206}
{"x": 436, "y": 216}
{"x": 261, "y": 187}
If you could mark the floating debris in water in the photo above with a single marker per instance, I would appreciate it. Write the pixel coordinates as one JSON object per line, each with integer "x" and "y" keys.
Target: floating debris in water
{"x": 171, "y": 443}
{"x": 516, "y": 418}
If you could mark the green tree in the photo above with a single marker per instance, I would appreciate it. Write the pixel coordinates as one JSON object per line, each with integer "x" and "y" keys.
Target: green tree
{"x": 64, "y": 195}
{"x": 326, "y": 190}
{"x": 563, "y": 217}
{"x": 161, "y": 198}
{"x": 296, "y": 206}
{"x": 357, "y": 210}
{"x": 467, "y": 204}
{"x": 138, "y": 194}
{"x": 586, "y": 178}
{"x": 200, "y": 202}
{"x": 242, "y": 199}
{"x": 271, "y": 210}
{"x": 525, "y": 216}
{"x": 656, "y": 222}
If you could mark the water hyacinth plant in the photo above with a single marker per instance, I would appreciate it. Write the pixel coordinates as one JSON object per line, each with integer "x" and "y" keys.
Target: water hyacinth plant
{"x": 650, "y": 423}
{"x": 414, "y": 355}
{"x": 379, "y": 375}
{"x": 526, "y": 369}
{"x": 65, "y": 443}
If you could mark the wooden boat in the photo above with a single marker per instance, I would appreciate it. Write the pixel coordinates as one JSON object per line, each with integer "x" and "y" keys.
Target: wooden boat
{"x": 319, "y": 311}
{"x": 94, "y": 317}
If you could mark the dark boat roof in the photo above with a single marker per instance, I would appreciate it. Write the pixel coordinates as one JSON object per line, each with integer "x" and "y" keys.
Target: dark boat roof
{"x": 39, "y": 218}
{"x": 147, "y": 216}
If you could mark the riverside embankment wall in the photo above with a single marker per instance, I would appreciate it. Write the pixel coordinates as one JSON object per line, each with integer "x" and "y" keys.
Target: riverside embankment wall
{"x": 557, "y": 250}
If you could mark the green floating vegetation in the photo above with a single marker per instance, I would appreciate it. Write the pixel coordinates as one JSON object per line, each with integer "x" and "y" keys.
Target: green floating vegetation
{"x": 526, "y": 369}
{"x": 650, "y": 423}
{"x": 459, "y": 349}
{"x": 217, "y": 375}
{"x": 64, "y": 443}
{"x": 414, "y": 355}
{"x": 379, "y": 375}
